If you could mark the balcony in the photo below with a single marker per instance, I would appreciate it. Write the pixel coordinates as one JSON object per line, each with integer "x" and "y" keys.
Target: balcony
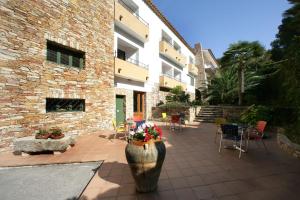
{"x": 170, "y": 52}
{"x": 131, "y": 69}
{"x": 193, "y": 69}
{"x": 170, "y": 82}
{"x": 130, "y": 22}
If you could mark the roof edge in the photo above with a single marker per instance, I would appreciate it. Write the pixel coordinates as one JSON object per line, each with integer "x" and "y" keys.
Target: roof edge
{"x": 154, "y": 8}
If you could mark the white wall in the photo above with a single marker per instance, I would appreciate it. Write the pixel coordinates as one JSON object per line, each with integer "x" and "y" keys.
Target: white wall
{"x": 149, "y": 52}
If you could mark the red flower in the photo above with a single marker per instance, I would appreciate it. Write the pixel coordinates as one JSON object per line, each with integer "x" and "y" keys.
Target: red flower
{"x": 159, "y": 131}
{"x": 147, "y": 137}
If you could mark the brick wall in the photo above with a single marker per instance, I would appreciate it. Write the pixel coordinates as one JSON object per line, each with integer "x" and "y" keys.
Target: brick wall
{"x": 26, "y": 78}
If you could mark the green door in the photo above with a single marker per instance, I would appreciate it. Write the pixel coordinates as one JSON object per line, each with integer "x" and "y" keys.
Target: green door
{"x": 120, "y": 109}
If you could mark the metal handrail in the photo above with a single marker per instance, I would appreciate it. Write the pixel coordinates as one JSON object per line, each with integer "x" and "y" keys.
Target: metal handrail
{"x": 172, "y": 77}
{"x": 135, "y": 62}
{"x": 131, "y": 11}
{"x": 138, "y": 63}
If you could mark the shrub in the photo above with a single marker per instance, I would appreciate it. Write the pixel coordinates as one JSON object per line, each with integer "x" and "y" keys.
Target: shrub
{"x": 42, "y": 132}
{"x": 56, "y": 131}
{"x": 256, "y": 113}
{"x": 174, "y": 105}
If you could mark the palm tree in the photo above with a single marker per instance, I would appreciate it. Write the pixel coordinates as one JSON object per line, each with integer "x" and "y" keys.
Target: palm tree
{"x": 223, "y": 88}
{"x": 242, "y": 56}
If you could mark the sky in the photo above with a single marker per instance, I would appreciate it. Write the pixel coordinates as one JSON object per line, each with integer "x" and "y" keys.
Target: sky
{"x": 218, "y": 23}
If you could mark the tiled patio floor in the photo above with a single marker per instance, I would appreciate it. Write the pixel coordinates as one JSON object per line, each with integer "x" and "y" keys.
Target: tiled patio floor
{"x": 193, "y": 169}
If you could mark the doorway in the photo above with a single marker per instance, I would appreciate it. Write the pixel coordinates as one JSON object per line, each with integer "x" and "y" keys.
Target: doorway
{"x": 120, "y": 109}
{"x": 139, "y": 105}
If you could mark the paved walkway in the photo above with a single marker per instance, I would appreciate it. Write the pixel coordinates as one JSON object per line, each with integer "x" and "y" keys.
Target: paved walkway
{"x": 193, "y": 169}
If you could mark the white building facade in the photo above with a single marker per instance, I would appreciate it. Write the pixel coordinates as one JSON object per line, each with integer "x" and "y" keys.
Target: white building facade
{"x": 151, "y": 58}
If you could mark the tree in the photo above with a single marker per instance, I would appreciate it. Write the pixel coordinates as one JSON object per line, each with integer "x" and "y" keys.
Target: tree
{"x": 178, "y": 95}
{"x": 244, "y": 57}
{"x": 286, "y": 50}
{"x": 223, "y": 88}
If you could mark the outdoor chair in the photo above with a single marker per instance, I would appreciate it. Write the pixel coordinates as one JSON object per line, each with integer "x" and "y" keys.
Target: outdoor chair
{"x": 231, "y": 132}
{"x": 182, "y": 119}
{"x": 258, "y": 134}
{"x": 175, "y": 119}
{"x": 165, "y": 118}
{"x": 218, "y": 122}
{"x": 121, "y": 128}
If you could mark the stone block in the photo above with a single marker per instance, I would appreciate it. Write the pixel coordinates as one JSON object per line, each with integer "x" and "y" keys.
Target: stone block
{"x": 30, "y": 144}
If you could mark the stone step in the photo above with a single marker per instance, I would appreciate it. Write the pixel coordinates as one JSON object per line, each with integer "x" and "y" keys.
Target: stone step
{"x": 206, "y": 121}
{"x": 210, "y": 113}
{"x": 208, "y": 117}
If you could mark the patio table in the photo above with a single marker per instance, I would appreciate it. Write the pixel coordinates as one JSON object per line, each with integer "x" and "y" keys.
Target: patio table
{"x": 242, "y": 128}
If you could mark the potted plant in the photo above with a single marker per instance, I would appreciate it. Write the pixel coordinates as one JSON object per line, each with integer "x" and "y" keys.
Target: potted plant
{"x": 56, "y": 133}
{"x": 145, "y": 154}
{"x": 42, "y": 134}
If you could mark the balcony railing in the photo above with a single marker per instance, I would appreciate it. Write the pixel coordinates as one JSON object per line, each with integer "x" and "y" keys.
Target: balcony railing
{"x": 132, "y": 11}
{"x": 136, "y": 62}
{"x": 172, "y": 45}
{"x": 172, "y": 77}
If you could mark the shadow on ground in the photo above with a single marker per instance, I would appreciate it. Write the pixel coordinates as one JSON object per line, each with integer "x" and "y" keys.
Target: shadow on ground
{"x": 194, "y": 169}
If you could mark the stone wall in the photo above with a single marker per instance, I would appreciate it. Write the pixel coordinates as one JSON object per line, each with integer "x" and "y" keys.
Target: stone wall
{"x": 152, "y": 99}
{"x": 287, "y": 145}
{"x": 162, "y": 95}
{"x": 26, "y": 78}
{"x": 190, "y": 113}
{"x": 233, "y": 113}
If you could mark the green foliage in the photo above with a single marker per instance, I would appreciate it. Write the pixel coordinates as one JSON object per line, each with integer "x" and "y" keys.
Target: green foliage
{"x": 256, "y": 113}
{"x": 174, "y": 105}
{"x": 178, "y": 95}
{"x": 285, "y": 50}
{"x": 242, "y": 59}
{"x": 223, "y": 88}
{"x": 243, "y": 54}
{"x": 56, "y": 131}
{"x": 196, "y": 103}
{"x": 42, "y": 132}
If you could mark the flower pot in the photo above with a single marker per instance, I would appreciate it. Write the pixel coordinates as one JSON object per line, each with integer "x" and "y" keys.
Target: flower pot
{"x": 42, "y": 136}
{"x": 52, "y": 136}
{"x": 145, "y": 160}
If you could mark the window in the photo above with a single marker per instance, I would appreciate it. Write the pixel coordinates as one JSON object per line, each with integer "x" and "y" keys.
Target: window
{"x": 64, "y": 105}
{"x": 64, "y": 55}
{"x": 121, "y": 54}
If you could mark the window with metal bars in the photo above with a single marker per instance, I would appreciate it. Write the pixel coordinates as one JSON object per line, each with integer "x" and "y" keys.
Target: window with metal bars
{"x": 64, "y": 105}
{"x": 64, "y": 55}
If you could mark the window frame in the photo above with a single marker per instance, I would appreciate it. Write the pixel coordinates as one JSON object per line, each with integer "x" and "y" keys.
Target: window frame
{"x": 58, "y": 101}
{"x": 71, "y": 53}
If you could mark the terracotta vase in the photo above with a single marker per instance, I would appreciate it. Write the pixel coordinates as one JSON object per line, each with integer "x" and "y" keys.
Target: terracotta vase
{"x": 56, "y": 137}
{"x": 42, "y": 136}
{"x": 145, "y": 160}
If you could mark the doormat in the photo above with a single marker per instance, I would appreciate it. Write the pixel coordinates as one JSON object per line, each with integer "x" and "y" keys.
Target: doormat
{"x": 47, "y": 182}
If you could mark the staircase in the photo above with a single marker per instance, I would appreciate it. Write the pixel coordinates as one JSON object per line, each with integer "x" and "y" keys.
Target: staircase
{"x": 208, "y": 114}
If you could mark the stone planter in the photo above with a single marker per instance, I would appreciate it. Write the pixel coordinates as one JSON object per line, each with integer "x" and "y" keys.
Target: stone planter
{"x": 145, "y": 160}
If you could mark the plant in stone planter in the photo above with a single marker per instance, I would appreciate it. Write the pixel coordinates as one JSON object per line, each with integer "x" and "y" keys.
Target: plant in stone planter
{"x": 42, "y": 134}
{"x": 56, "y": 133}
{"x": 145, "y": 154}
